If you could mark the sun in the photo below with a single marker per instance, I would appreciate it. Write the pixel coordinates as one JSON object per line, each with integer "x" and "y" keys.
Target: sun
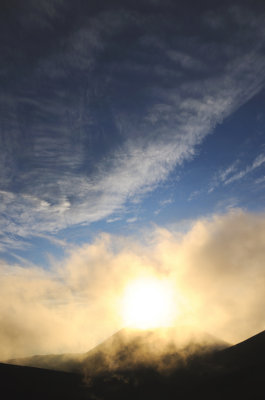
{"x": 148, "y": 303}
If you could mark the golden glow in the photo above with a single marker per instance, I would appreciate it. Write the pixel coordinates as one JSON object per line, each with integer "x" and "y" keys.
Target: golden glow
{"x": 148, "y": 303}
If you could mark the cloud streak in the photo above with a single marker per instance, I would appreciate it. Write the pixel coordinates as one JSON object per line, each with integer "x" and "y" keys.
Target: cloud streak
{"x": 234, "y": 173}
{"x": 258, "y": 162}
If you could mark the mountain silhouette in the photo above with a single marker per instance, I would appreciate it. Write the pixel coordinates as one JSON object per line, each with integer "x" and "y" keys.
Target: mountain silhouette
{"x": 202, "y": 368}
{"x": 160, "y": 348}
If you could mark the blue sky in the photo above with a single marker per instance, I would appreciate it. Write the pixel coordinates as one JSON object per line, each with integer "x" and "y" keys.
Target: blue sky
{"x": 118, "y": 116}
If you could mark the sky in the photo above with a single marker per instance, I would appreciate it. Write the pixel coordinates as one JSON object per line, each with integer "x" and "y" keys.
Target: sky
{"x": 120, "y": 120}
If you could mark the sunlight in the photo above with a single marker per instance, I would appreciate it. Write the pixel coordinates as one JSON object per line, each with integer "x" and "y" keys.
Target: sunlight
{"x": 148, "y": 303}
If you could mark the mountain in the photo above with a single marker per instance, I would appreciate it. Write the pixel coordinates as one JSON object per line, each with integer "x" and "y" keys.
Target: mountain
{"x": 71, "y": 362}
{"x": 246, "y": 354}
{"x": 142, "y": 365}
{"x": 235, "y": 372}
{"x": 18, "y": 382}
{"x": 160, "y": 348}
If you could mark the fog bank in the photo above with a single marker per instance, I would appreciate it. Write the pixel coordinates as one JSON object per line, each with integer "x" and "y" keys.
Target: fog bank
{"x": 217, "y": 270}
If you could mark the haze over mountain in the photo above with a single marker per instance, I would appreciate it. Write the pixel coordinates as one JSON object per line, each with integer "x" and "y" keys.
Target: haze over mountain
{"x": 162, "y": 348}
{"x": 204, "y": 372}
{"x": 216, "y": 271}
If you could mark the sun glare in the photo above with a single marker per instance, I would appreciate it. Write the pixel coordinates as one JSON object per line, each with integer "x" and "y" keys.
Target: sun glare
{"x": 148, "y": 303}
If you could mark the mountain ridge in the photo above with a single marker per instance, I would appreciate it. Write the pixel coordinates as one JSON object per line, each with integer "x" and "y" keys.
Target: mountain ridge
{"x": 234, "y": 372}
{"x": 127, "y": 346}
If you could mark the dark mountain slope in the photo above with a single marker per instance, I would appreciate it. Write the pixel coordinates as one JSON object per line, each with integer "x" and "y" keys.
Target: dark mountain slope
{"x": 161, "y": 349}
{"x": 128, "y": 348}
{"x": 57, "y": 362}
{"x": 21, "y": 383}
{"x": 236, "y": 372}
{"x": 250, "y": 352}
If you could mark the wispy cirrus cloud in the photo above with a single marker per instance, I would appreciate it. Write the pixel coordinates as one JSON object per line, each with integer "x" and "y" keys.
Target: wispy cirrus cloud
{"x": 222, "y": 176}
{"x": 258, "y": 162}
{"x": 112, "y": 106}
{"x": 260, "y": 180}
{"x": 236, "y": 172}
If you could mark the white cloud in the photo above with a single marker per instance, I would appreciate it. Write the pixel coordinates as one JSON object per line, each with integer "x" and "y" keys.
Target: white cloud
{"x": 165, "y": 202}
{"x": 259, "y": 160}
{"x": 216, "y": 269}
{"x": 185, "y": 60}
{"x": 234, "y": 173}
{"x": 131, "y": 220}
{"x": 111, "y": 220}
{"x": 228, "y": 171}
{"x": 221, "y": 176}
{"x": 260, "y": 180}
{"x": 194, "y": 194}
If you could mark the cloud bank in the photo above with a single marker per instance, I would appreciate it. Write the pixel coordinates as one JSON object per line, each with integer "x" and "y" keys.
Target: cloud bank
{"x": 217, "y": 270}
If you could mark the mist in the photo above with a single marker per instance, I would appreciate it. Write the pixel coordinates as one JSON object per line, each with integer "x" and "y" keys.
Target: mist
{"x": 216, "y": 269}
